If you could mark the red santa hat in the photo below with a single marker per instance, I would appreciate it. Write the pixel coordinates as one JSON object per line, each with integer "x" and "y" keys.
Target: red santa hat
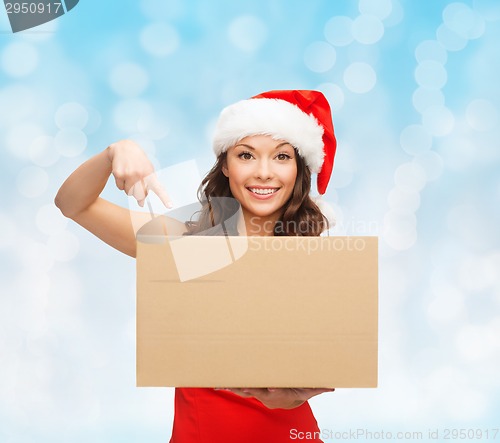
{"x": 302, "y": 118}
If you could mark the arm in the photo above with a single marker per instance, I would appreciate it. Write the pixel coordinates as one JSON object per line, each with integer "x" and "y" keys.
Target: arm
{"x": 78, "y": 198}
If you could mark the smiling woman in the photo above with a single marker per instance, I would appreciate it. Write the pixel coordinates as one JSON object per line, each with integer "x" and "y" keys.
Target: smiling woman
{"x": 267, "y": 147}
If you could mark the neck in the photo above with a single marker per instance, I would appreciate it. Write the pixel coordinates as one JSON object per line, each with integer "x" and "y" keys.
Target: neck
{"x": 258, "y": 226}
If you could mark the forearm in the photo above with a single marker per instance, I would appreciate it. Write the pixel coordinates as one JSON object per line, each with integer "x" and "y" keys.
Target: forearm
{"x": 84, "y": 185}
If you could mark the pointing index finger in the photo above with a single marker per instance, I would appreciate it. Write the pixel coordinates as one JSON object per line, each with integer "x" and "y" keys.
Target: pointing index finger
{"x": 155, "y": 186}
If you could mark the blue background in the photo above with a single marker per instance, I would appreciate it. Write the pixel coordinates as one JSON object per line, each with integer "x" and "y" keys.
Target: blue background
{"x": 414, "y": 92}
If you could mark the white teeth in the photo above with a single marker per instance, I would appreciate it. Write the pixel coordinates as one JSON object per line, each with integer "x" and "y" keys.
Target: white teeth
{"x": 262, "y": 191}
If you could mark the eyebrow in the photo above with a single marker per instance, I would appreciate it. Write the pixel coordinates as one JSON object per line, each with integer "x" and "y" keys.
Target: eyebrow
{"x": 253, "y": 149}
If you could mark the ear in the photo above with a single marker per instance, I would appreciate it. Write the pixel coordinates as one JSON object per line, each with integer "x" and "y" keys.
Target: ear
{"x": 224, "y": 169}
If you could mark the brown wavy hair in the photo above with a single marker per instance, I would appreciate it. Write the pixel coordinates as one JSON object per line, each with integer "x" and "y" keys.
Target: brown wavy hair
{"x": 300, "y": 217}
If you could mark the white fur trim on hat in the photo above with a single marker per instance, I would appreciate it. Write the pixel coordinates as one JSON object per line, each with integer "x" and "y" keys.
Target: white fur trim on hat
{"x": 326, "y": 209}
{"x": 280, "y": 119}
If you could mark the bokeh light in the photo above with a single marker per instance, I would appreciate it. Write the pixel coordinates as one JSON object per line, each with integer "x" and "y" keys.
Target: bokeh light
{"x": 71, "y": 115}
{"x": 32, "y": 181}
{"x": 128, "y": 79}
{"x": 378, "y": 8}
{"x": 482, "y": 115}
{"x": 416, "y": 114}
{"x": 367, "y": 29}
{"x": 431, "y": 75}
{"x": 320, "y": 57}
{"x": 70, "y": 142}
{"x": 159, "y": 39}
{"x": 247, "y": 33}
{"x": 438, "y": 120}
{"x": 360, "y": 77}
{"x": 338, "y": 31}
{"x": 19, "y": 59}
{"x": 415, "y": 139}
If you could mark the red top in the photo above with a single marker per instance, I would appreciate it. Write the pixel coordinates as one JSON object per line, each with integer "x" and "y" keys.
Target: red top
{"x": 205, "y": 415}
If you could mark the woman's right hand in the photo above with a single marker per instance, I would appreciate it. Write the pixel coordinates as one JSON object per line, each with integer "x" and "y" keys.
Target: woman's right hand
{"x": 134, "y": 172}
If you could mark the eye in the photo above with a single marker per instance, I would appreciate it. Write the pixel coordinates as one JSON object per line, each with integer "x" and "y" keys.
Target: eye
{"x": 245, "y": 155}
{"x": 282, "y": 156}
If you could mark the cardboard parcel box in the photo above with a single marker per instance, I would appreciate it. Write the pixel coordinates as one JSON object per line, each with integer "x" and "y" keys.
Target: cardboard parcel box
{"x": 216, "y": 311}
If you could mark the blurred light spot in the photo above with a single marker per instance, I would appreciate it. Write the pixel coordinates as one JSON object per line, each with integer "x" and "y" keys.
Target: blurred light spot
{"x": 403, "y": 200}
{"x": 447, "y": 305}
{"x": 159, "y": 39}
{"x": 450, "y": 39}
{"x": 320, "y": 56}
{"x": 128, "y": 113}
{"x": 410, "y": 175}
{"x": 247, "y": 33}
{"x": 463, "y": 20}
{"x": 32, "y": 181}
{"x": 42, "y": 151}
{"x": 477, "y": 273}
{"x": 20, "y": 137}
{"x": 400, "y": 241}
{"x": 338, "y": 31}
{"x": 367, "y": 29}
{"x": 70, "y": 142}
{"x": 49, "y": 220}
{"x": 458, "y": 153}
{"x": 438, "y": 120}
{"x": 481, "y": 115}
{"x": 399, "y": 230}
{"x": 431, "y": 50}
{"x": 415, "y": 139}
{"x": 396, "y": 16}
{"x": 334, "y": 94}
{"x": 71, "y": 115}
{"x": 489, "y": 9}
{"x": 8, "y": 231}
{"x": 63, "y": 245}
{"x": 431, "y": 75}
{"x": 155, "y": 10}
{"x": 33, "y": 255}
{"x": 403, "y": 222}
{"x": 431, "y": 163}
{"x": 19, "y": 59}
{"x": 427, "y": 98}
{"x": 360, "y": 77}
{"x": 128, "y": 79}
{"x": 379, "y": 8}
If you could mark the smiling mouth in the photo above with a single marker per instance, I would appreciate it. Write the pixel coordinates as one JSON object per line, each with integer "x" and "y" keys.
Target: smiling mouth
{"x": 263, "y": 191}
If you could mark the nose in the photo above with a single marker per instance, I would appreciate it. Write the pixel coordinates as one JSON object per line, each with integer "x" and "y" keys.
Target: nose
{"x": 264, "y": 170}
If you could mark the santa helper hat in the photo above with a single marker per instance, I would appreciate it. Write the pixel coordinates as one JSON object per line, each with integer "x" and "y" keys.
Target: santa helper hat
{"x": 302, "y": 118}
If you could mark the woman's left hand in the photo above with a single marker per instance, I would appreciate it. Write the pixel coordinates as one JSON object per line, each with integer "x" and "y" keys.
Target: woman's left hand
{"x": 284, "y": 398}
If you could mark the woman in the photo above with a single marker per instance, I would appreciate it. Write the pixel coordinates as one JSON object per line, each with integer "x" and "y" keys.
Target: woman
{"x": 266, "y": 147}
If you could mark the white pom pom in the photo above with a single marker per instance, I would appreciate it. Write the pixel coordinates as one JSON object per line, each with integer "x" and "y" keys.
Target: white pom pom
{"x": 326, "y": 209}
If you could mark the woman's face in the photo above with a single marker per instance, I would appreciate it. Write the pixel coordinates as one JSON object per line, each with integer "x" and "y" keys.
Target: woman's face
{"x": 262, "y": 173}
